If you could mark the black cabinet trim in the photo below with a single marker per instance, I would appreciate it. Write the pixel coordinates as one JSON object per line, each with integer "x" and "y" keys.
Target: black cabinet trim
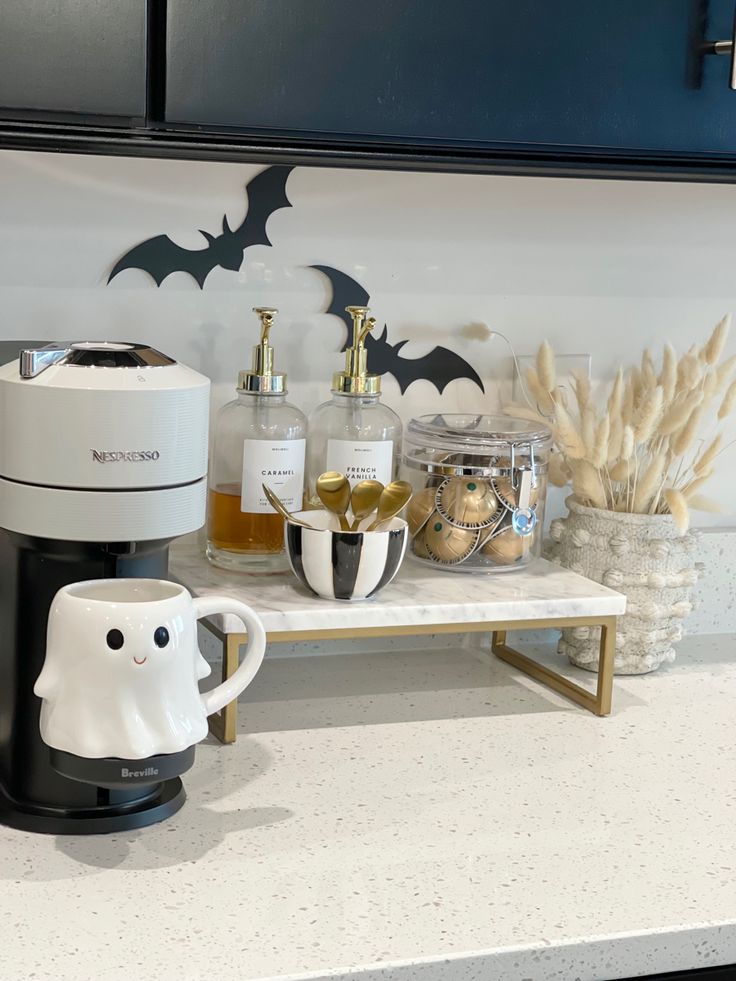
{"x": 155, "y": 60}
{"x": 29, "y": 118}
{"x": 556, "y": 162}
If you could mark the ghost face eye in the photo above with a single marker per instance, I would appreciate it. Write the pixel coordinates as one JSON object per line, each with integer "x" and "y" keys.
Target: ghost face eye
{"x": 161, "y": 637}
{"x": 115, "y": 640}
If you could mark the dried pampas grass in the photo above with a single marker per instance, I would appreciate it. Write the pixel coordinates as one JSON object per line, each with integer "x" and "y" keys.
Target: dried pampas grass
{"x": 649, "y": 484}
{"x": 615, "y": 399}
{"x": 643, "y": 451}
{"x": 582, "y": 390}
{"x": 546, "y": 367}
{"x": 627, "y": 405}
{"x": 627, "y": 443}
{"x": 704, "y": 461}
{"x": 586, "y": 483}
{"x": 685, "y": 437}
{"x": 543, "y": 398}
{"x": 559, "y": 473}
{"x": 587, "y": 429}
{"x": 724, "y": 371}
{"x": 677, "y": 506}
{"x": 679, "y": 412}
{"x": 668, "y": 375}
{"x": 717, "y": 340}
{"x": 648, "y": 374}
{"x": 615, "y": 437}
{"x": 599, "y": 456}
{"x": 648, "y": 415}
{"x": 567, "y": 434}
{"x": 729, "y": 401}
{"x": 689, "y": 371}
{"x": 620, "y": 472}
{"x": 709, "y": 385}
{"x": 698, "y": 502}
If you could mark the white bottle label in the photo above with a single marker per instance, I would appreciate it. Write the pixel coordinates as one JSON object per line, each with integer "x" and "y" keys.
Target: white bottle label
{"x": 280, "y": 465}
{"x": 361, "y": 460}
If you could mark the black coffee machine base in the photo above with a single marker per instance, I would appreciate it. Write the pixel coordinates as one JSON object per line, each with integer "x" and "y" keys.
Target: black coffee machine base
{"x": 105, "y": 817}
{"x": 118, "y": 774}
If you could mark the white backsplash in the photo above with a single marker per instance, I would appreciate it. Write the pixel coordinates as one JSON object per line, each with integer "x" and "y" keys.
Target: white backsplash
{"x": 597, "y": 267}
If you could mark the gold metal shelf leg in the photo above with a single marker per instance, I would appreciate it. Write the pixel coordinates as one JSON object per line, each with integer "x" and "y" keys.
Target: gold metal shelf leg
{"x": 600, "y": 703}
{"x": 224, "y": 724}
{"x": 604, "y": 692}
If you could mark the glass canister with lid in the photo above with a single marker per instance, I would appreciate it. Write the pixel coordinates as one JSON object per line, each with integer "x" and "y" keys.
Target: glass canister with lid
{"x": 479, "y": 484}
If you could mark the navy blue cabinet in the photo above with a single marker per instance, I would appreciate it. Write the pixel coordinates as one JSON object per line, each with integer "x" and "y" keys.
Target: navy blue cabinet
{"x": 603, "y": 87}
{"x": 72, "y": 58}
{"x": 612, "y": 74}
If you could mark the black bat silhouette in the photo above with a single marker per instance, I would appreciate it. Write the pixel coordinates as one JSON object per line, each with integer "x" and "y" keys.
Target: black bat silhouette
{"x": 440, "y": 366}
{"x": 160, "y": 257}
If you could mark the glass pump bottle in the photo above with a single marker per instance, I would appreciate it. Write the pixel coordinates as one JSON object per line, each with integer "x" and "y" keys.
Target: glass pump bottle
{"x": 259, "y": 438}
{"x": 354, "y": 433}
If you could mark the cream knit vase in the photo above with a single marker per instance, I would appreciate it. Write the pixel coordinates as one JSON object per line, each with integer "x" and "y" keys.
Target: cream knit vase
{"x": 640, "y": 555}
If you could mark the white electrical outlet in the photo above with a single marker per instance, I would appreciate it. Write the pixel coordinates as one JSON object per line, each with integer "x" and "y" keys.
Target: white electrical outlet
{"x": 565, "y": 365}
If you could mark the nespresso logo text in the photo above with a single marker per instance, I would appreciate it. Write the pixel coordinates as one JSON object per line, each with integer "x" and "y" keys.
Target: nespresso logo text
{"x": 124, "y": 456}
{"x": 150, "y": 771}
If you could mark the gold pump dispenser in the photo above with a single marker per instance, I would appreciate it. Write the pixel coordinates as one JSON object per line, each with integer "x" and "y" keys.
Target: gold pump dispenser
{"x": 261, "y": 379}
{"x": 355, "y": 380}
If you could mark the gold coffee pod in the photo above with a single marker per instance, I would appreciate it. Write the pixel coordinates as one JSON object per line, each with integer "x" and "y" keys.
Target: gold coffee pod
{"x": 507, "y": 547}
{"x": 467, "y": 502}
{"x": 419, "y": 546}
{"x": 446, "y": 543}
{"x": 419, "y": 509}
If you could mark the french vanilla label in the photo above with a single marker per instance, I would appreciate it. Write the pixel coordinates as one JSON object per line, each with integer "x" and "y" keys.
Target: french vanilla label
{"x": 280, "y": 465}
{"x": 361, "y": 460}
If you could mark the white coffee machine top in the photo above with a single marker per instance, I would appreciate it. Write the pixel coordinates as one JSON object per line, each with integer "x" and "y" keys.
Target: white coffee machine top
{"x": 96, "y": 417}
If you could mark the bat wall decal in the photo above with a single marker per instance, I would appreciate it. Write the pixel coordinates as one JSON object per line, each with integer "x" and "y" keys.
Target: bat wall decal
{"x": 160, "y": 257}
{"x": 440, "y": 366}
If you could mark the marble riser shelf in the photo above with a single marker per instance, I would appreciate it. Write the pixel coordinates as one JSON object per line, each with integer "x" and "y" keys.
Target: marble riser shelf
{"x": 421, "y": 600}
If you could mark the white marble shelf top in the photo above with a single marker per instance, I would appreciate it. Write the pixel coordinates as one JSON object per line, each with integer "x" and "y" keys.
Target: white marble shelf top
{"x": 418, "y": 595}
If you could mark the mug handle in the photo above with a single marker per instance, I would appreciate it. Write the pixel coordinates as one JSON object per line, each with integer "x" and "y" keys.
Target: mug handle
{"x": 206, "y": 606}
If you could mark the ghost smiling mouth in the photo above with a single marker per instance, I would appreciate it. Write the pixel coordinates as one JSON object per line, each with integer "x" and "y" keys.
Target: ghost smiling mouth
{"x": 141, "y": 661}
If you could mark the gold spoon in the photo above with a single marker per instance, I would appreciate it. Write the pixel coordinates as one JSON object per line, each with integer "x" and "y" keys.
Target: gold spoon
{"x": 364, "y": 500}
{"x": 333, "y": 489}
{"x": 277, "y": 505}
{"x": 395, "y": 495}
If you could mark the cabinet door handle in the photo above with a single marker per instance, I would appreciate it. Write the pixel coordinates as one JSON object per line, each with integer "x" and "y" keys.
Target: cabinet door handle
{"x": 727, "y": 47}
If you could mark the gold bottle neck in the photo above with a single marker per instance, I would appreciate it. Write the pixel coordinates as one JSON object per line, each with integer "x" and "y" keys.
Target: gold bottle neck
{"x": 355, "y": 380}
{"x": 261, "y": 379}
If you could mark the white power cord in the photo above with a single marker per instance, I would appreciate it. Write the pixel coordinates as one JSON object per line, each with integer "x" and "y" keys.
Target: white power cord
{"x": 497, "y": 333}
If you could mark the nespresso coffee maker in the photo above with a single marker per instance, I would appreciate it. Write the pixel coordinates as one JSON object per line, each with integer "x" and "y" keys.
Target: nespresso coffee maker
{"x": 103, "y": 461}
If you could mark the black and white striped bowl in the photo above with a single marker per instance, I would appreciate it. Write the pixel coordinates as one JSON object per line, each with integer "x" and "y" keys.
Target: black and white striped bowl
{"x": 346, "y": 565}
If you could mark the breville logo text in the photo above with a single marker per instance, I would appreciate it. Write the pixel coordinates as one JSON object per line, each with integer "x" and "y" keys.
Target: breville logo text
{"x": 150, "y": 771}
{"x": 124, "y": 456}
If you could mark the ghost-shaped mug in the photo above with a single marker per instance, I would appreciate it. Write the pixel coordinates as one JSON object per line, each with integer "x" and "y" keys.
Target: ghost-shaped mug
{"x": 122, "y": 666}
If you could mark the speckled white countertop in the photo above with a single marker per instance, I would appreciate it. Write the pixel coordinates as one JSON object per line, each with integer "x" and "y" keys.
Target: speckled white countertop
{"x": 417, "y": 816}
